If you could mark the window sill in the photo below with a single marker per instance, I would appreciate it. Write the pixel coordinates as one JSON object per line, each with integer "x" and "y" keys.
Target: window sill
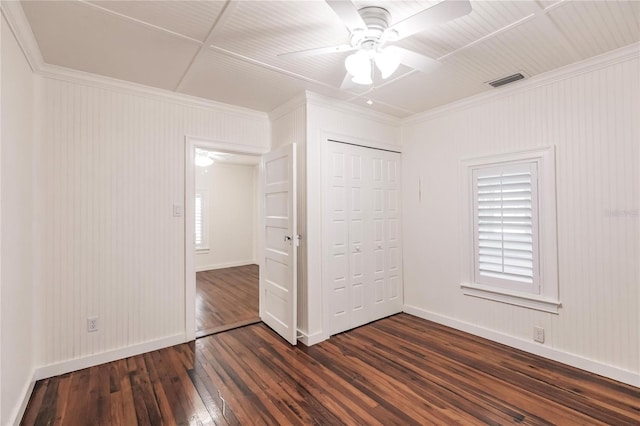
{"x": 511, "y": 297}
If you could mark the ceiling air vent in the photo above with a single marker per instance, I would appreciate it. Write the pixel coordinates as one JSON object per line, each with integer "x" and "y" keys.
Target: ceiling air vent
{"x": 506, "y": 80}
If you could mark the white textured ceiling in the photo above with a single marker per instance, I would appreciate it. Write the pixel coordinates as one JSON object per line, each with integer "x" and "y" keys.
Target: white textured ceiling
{"x": 227, "y": 51}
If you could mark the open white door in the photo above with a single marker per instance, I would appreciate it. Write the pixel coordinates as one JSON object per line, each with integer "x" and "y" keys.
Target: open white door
{"x": 278, "y": 269}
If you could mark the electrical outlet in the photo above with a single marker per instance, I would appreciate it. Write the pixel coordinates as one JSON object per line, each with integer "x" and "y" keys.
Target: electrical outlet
{"x": 92, "y": 324}
{"x": 538, "y": 334}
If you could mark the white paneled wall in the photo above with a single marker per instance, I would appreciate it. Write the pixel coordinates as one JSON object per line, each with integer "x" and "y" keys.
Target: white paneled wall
{"x": 111, "y": 167}
{"x": 16, "y": 261}
{"x": 592, "y": 119}
{"x": 288, "y": 124}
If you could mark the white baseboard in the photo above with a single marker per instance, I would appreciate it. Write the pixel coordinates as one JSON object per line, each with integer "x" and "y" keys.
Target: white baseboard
{"x": 101, "y": 358}
{"x": 18, "y": 411}
{"x": 225, "y": 265}
{"x": 577, "y": 361}
{"x": 311, "y": 339}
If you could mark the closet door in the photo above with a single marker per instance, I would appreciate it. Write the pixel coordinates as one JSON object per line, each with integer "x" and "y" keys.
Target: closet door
{"x": 345, "y": 242}
{"x": 362, "y": 252}
{"x": 389, "y": 298}
{"x": 358, "y": 224}
{"x": 336, "y": 248}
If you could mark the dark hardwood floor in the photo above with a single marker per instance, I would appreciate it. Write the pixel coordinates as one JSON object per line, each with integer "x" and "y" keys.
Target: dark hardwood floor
{"x": 399, "y": 370}
{"x": 226, "y": 298}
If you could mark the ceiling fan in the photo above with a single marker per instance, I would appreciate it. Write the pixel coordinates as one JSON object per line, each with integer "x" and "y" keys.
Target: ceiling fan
{"x": 372, "y": 34}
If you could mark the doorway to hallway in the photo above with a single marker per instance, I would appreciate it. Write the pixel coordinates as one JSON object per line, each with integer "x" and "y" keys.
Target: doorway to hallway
{"x": 226, "y": 298}
{"x": 226, "y": 234}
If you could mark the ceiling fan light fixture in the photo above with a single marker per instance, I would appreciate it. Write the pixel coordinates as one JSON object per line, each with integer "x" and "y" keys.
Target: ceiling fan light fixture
{"x": 359, "y": 66}
{"x": 387, "y": 62}
{"x": 364, "y": 79}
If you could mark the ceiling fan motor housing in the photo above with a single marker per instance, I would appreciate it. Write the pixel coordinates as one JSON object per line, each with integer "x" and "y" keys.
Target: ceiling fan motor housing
{"x": 377, "y": 21}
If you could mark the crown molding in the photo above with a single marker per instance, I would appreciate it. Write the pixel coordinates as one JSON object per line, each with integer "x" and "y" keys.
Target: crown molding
{"x": 311, "y": 98}
{"x": 287, "y": 107}
{"x": 21, "y": 29}
{"x": 347, "y": 108}
{"x": 55, "y": 72}
{"x": 622, "y": 54}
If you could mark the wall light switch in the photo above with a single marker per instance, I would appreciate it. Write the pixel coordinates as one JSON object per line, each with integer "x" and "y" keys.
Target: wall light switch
{"x": 177, "y": 210}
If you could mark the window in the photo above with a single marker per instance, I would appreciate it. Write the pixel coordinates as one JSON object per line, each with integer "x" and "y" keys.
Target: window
{"x": 202, "y": 220}
{"x": 505, "y": 219}
{"x": 510, "y": 229}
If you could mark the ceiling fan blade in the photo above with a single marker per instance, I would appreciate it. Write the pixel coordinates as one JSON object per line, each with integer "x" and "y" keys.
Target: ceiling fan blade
{"x": 347, "y": 83}
{"x": 414, "y": 59}
{"x": 435, "y": 15}
{"x": 348, "y": 13}
{"x": 318, "y": 51}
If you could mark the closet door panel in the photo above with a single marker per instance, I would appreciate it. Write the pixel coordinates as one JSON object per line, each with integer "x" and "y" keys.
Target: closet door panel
{"x": 357, "y": 235}
{"x": 337, "y": 244}
{"x": 393, "y": 278}
{"x": 377, "y": 217}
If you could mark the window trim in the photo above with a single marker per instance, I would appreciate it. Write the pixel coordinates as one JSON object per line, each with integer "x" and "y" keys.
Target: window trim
{"x": 548, "y": 297}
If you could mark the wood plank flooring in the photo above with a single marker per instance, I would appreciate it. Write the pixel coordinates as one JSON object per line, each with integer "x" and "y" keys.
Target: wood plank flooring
{"x": 226, "y": 298}
{"x": 399, "y": 370}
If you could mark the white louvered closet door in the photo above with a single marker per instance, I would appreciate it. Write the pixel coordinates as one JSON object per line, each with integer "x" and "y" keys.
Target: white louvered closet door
{"x": 362, "y": 252}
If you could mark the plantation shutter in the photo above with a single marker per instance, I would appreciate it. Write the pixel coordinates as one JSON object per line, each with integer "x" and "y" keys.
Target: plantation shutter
{"x": 202, "y": 220}
{"x": 506, "y": 215}
{"x": 199, "y": 220}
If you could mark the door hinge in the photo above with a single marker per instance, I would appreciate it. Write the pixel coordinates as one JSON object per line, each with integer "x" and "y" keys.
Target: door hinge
{"x": 298, "y": 238}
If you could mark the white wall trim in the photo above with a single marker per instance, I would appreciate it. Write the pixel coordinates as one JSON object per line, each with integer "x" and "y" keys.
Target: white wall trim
{"x": 222, "y": 163}
{"x": 226, "y": 265}
{"x": 228, "y": 147}
{"x": 312, "y": 98}
{"x": 191, "y": 142}
{"x": 346, "y": 108}
{"x": 1, "y": 24}
{"x": 18, "y": 411}
{"x": 92, "y": 360}
{"x": 311, "y": 339}
{"x": 622, "y": 54}
{"x": 589, "y": 365}
{"x": 288, "y": 107}
{"x": 55, "y": 72}
{"x": 17, "y": 20}
{"x": 525, "y": 300}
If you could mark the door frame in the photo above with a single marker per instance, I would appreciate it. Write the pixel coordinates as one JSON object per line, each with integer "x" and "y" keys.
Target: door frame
{"x": 191, "y": 143}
